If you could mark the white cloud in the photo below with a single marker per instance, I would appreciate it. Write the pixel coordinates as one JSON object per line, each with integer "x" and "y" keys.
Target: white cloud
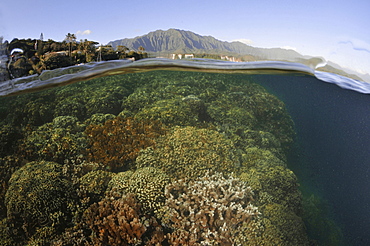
{"x": 244, "y": 41}
{"x": 358, "y": 45}
{"x": 351, "y": 53}
{"x": 288, "y": 48}
{"x": 86, "y": 32}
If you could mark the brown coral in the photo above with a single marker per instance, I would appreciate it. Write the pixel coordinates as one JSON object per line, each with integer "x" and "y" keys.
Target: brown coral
{"x": 119, "y": 222}
{"x": 118, "y": 141}
{"x": 208, "y": 210}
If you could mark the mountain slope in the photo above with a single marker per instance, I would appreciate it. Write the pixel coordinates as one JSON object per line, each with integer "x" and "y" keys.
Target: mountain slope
{"x": 179, "y": 41}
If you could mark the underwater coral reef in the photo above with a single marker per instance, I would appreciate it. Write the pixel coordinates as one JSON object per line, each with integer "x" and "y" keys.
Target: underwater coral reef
{"x": 157, "y": 158}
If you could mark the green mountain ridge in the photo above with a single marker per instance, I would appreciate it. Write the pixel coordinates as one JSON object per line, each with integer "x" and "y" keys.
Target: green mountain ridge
{"x": 180, "y": 41}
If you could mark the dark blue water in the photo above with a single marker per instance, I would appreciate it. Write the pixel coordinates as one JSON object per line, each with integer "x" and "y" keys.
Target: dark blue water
{"x": 333, "y": 127}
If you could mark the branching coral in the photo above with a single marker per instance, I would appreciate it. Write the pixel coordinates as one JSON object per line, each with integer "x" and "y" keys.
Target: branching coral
{"x": 8, "y": 165}
{"x": 272, "y": 117}
{"x": 275, "y": 184}
{"x": 8, "y": 138}
{"x": 95, "y": 183}
{"x": 119, "y": 141}
{"x": 189, "y": 152}
{"x": 39, "y": 195}
{"x": 170, "y": 112}
{"x": 56, "y": 141}
{"x": 120, "y": 222}
{"x": 207, "y": 210}
{"x": 147, "y": 183}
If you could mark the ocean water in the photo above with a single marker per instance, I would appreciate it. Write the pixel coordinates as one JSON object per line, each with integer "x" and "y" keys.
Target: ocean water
{"x": 297, "y": 137}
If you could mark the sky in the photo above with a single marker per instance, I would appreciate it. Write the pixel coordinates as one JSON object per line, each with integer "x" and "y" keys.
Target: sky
{"x": 336, "y": 30}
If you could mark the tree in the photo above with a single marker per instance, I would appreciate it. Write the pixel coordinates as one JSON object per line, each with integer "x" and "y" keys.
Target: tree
{"x": 70, "y": 39}
{"x": 141, "y": 49}
{"x": 88, "y": 48}
{"x": 40, "y": 46}
{"x": 121, "y": 51}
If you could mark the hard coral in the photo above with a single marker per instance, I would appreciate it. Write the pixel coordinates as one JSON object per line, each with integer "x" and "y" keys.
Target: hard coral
{"x": 147, "y": 183}
{"x": 282, "y": 226}
{"x": 275, "y": 184}
{"x": 39, "y": 195}
{"x": 272, "y": 117}
{"x": 170, "y": 112}
{"x": 56, "y": 141}
{"x": 8, "y": 165}
{"x": 120, "y": 222}
{"x": 95, "y": 183}
{"x": 189, "y": 152}
{"x": 119, "y": 141}
{"x": 206, "y": 211}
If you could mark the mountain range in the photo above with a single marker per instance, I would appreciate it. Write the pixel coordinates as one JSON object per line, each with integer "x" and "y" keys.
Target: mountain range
{"x": 180, "y": 41}
{"x": 177, "y": 41}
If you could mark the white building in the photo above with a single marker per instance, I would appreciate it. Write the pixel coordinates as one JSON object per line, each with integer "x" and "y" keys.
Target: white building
{"x": 189, "y": 56}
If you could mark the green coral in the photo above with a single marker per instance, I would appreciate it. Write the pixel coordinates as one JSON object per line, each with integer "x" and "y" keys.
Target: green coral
{"x": 56, "y": 141}
{"x": 282, "y": 226}
{"x": 272, "y": 117}
{"x": 320, "y": 226}
{"x": 147, "y": 183}
{"x": 39, "y": 195}
{"x": 169, "y": 112}
{"x": 189, "y": 152}
{"x": 5, "y": 238}
{"x": 99, "y": 119}
{"x": 8, "y": 138}
{"x": 218, "y": 122}
{"x": 8, "y": 165}
{"x": 95, "y": 183}
{"x": 273, "y": 182}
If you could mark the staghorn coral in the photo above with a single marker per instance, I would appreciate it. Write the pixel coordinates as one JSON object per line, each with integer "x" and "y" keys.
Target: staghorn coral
{"x": 208, "y": 210}
{"x": 147, "y": 183}
{"x": 118, "y": 141}
{"x": 189, "y": 152}
{"x": 120, "y": 222}
{"x": 39, "y": 195}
